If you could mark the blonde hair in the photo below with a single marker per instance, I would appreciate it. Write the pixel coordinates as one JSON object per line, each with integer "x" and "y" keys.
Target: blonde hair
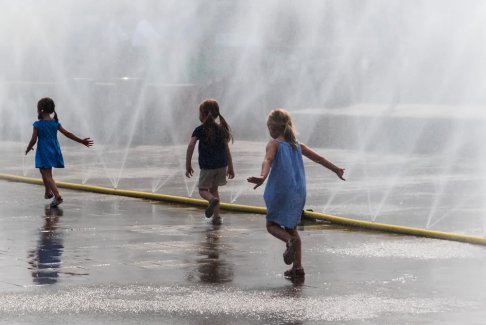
{"x": 279, "y": 120}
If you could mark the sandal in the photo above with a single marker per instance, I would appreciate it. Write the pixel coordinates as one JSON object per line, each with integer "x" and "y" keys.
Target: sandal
{"x": 212, "y": 205}
{"x": 217, "y": 221}
{"x": 294, "y": 273}
{"x": 289, "y": 254}
{"x": 56, "y": 202}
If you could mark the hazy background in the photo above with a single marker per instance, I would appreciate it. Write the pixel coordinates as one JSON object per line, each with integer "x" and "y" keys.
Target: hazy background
{"x": 394, "y": 91}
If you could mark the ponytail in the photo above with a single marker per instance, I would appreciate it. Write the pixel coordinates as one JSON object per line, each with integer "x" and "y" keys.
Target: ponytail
{"x": 210, "y": 126}
{"x": 226, "y": 129}
{"x": 209, "y": 110}
{"x": 55, "y": 116}
{"x": 289, "y": 135}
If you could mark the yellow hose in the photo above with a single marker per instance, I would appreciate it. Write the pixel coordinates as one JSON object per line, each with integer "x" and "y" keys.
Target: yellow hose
{"x": 259, "y": 210}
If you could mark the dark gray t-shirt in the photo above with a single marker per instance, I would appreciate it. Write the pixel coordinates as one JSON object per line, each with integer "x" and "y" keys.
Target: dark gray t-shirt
{"x": 211, "y": 155}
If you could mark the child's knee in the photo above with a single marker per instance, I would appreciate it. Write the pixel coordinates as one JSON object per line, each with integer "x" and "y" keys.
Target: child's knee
{"x": 203, "y": 191}
{"x": 214, "y": 191}
{"x": 270, "y": 226}
{"x": 295, "y": 235}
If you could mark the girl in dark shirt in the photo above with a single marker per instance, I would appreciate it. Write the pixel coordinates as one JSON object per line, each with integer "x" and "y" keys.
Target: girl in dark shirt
{"x": 214, "y": 156}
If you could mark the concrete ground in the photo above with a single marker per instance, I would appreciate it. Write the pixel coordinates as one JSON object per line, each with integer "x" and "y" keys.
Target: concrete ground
{"x": 110, "y": 260}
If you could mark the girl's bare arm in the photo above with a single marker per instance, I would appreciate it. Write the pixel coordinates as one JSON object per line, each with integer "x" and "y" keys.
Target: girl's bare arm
{"x": 189, "y": 152}
{"x": 32, "y": 142}
{"x": 86, "y": 141}
{"x": 270, "y": 154}
{"x": 231, "y": 171}
{"x": 315, "y": 157}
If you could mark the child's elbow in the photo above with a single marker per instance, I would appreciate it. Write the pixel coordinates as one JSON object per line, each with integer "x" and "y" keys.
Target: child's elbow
{"x": 268, "y": 162}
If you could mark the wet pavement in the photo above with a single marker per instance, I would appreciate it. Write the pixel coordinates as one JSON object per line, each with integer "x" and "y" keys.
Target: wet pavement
{"x": 410, "y": 190}
{"x": 102, "y": 259}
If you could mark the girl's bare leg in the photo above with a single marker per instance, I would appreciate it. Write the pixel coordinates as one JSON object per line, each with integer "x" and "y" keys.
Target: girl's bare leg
{"x": 277, "y": 231}
{"x": 215, "y": 193}
{"x": 210, "y": 194}
{"x": 49, "y": 181}
{"x": 44, "y": 180}
{"x": 285, "y": 235}
{"x": 205, "y": 194}
{"x": 298, "y": 252}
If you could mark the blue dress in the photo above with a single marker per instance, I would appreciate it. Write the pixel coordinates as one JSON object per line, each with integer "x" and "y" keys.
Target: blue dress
{"x": 48, "y": 153}
{"x": 285, "y": 191}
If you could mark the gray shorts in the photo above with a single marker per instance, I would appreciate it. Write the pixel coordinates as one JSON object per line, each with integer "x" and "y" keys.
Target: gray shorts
{"x": 209, "y": 178}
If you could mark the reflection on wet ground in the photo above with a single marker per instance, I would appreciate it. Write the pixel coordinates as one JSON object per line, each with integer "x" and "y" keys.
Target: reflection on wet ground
{"x": 113, "y": 260}
{"x": 45, "y": 259}
{"x": 211, "y": 265}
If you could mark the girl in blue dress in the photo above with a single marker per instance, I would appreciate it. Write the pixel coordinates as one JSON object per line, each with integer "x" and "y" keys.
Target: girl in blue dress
{"x": 285, "y": 191}
{"x": 48, "y": 153}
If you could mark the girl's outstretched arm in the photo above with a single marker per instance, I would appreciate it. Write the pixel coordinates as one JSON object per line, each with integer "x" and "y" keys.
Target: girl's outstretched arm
{"x": 86, "y": 141}
{"x": 315, "y": 157}
{"x": 189, "y": 152}
{"x": 32, "y": 142}
{"x": 231, "y": 171}
{"x": 271, "y": 152}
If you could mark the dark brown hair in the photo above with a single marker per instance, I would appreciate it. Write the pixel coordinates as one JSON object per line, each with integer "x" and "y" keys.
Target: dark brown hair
{"x": 46, "y": 105}
{"x": 209, "y": 112}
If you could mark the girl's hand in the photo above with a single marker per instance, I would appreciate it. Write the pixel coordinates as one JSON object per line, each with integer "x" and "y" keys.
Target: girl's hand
{"x": 27, "y": 150}
{"x": 340, "y": 173}
{"x": 231, "y": 173}
{"x": 87, "y": 142}
{"x": 258, "y": 180}
{"x": 189, "y": 171}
